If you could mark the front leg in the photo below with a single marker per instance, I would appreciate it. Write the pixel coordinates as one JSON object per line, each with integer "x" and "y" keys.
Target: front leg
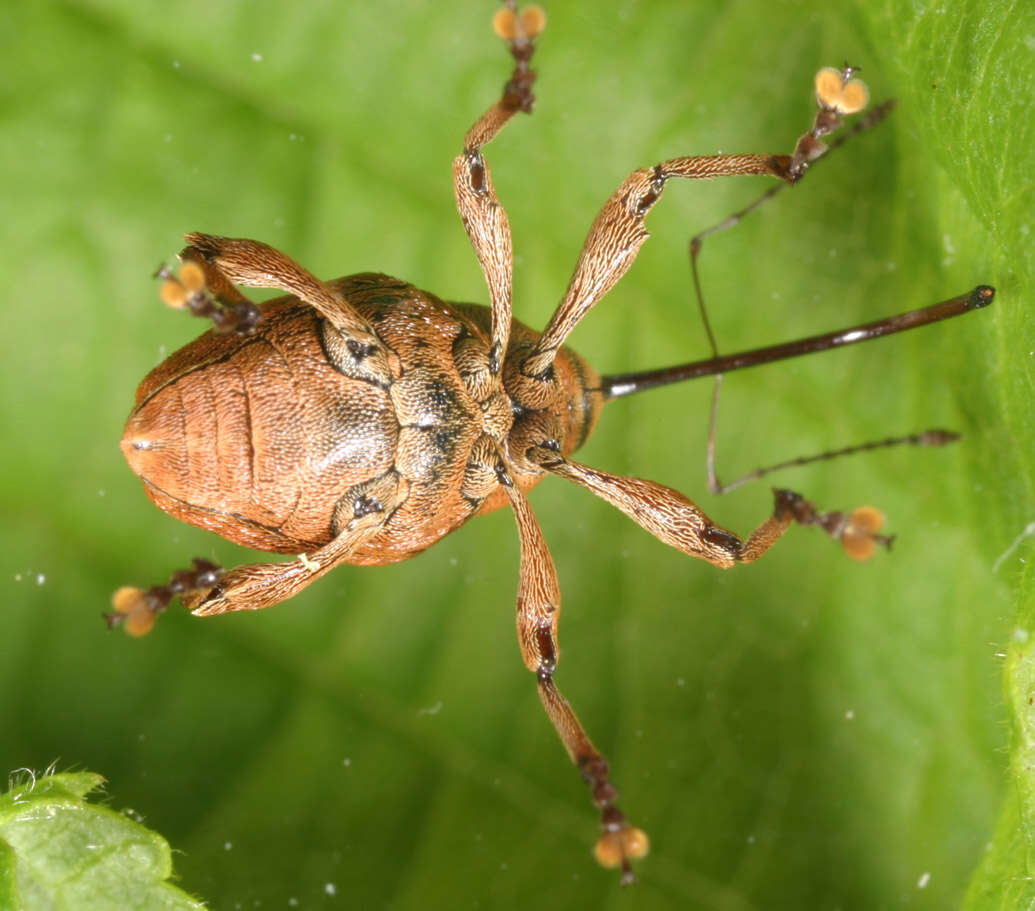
{"x": 618, "y": 232}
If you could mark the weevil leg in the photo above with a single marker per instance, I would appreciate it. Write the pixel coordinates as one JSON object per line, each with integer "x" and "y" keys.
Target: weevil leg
{"x": 209, "y": 590}
{"x": 618, "y": 232}
{"x": 260, "y": 585}
{"x": 677, "y": 521}
{"x": 538, "y": 610}
{"x": 484, "y": 217}
{"x": 258, "y": 265}
{"x": 864, "y": 123}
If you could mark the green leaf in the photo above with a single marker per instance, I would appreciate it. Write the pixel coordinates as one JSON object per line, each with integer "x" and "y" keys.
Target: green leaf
{"x": 1005, "y": 878}
{"x": 803, "y": 732}
{"x": 59, "y": 851}
{"x": 980, "y": 129}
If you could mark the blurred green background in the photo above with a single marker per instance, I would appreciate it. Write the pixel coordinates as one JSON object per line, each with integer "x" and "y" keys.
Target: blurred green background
{"x": 802, "y": 733}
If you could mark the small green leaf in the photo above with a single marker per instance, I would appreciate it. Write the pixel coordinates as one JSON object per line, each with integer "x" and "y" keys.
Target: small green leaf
{"x": 57, "y": 851}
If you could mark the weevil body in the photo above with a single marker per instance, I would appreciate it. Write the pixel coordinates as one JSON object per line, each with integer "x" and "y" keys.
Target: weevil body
{"x": 360, "y": 420}
{"x": 274, "y": 440}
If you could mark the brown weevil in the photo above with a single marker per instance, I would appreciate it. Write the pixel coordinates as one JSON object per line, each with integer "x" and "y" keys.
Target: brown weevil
{"x": 360, "y": 420}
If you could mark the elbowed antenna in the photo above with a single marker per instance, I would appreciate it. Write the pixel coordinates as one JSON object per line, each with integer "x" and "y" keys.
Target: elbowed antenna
{"x": 622, "y": 384}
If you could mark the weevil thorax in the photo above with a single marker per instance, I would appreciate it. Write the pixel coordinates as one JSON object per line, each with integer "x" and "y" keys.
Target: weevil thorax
{"x": 562, "y": 407}
{"x": 276, "y": 440}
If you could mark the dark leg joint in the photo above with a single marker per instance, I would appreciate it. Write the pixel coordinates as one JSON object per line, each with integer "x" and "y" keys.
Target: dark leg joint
{"x": 646, "y": 202}
{"x": 784, "y": 168}
{"x": 793, "y": 505}
{"x": 547, "y": 653}
{"x": 517, "y": 93}
{"x": 719, "y": 537}
{"x": 477, "y": 164}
